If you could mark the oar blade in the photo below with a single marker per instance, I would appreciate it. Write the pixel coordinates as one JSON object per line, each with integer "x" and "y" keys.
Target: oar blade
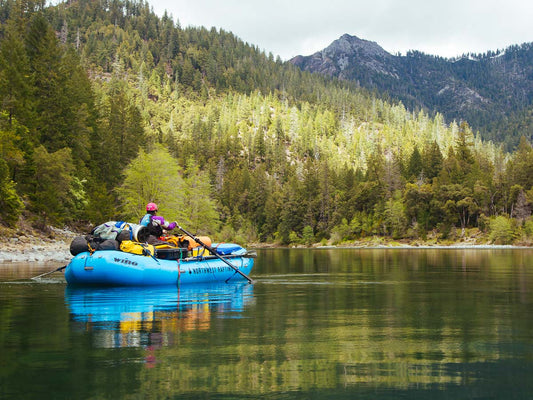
{"x": 48, "y": 273}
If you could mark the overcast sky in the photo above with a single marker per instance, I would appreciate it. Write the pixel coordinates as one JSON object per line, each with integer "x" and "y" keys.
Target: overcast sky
{"x": 288, "y": 28}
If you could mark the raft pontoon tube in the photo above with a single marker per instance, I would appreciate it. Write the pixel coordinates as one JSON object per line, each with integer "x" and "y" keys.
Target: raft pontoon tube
{"x": 118, "y": 268}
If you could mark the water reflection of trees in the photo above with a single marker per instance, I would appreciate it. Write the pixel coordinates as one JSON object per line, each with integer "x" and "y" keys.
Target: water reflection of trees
{"x": 393, "y": 319}
{"x": 324, "y": 320}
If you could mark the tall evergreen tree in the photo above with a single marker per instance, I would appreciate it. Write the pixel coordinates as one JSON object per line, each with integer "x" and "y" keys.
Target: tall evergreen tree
{"x": 414, "y": 166}
{"x": 16, "y": 86}
{"x": 51, "y": 196}
{"x": 432, "y": 160}
{"x": 200, "y": 206}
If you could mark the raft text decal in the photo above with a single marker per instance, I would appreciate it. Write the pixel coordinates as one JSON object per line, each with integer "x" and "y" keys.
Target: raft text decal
{"x": 124, "y": 261}
{"x": 209, "y": 270}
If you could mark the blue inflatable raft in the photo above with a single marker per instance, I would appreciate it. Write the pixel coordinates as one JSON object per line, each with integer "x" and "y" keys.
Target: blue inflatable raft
{"x": 118, "y": 268}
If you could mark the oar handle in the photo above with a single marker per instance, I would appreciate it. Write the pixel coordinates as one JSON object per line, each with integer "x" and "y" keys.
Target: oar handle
{"x": 214, "y": 252}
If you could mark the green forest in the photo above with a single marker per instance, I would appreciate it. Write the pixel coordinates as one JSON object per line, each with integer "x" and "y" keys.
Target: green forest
{"x": 106, "y": 106}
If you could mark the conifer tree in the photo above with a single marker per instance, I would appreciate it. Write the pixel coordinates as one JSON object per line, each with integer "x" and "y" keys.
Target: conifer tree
{"x": 15, "y": 77}
{"x": 432, "y": 160}
{"x": 51, "y": 195}
{"x": 200, "y": 206}
{"x": 414, "y": 166}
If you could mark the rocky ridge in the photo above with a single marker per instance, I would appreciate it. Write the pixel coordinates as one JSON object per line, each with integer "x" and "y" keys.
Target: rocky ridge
{"x": 339, "y": 58}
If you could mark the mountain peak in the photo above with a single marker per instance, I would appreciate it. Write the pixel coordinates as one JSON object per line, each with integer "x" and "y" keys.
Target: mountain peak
{"x": 353, "y": 45}
{"x": 344, "y": 53}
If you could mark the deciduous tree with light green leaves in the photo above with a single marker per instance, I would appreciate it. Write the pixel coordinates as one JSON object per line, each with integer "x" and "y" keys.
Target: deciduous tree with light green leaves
{"x": 501, "y": 230}
{"x": 10, "y": 203}
{"x": 153, "y": 177}
{"x": 182, "y": 196}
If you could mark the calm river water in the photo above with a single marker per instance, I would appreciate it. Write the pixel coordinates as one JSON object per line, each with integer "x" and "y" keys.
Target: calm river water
{"x": 316, "y": 324}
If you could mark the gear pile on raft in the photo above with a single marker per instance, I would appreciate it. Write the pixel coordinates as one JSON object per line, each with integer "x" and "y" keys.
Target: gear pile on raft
{"x": 119, "y": 253}
{"x": 137, "y": 239}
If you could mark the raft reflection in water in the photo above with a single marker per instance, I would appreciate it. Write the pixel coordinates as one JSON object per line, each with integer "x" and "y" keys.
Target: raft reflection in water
{"x": 146, "y": 316}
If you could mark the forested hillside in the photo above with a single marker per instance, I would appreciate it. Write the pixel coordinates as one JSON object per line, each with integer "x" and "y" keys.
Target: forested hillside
{"x": 105, "y": 106}
{"x": 492, "y": 91}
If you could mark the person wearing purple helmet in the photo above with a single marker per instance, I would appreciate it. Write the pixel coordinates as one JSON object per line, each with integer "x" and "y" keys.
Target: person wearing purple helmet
{"x": 155, "y": 223}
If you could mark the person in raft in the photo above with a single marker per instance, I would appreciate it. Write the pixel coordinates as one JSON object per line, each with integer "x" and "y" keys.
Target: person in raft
{"x": 155, "y": 223}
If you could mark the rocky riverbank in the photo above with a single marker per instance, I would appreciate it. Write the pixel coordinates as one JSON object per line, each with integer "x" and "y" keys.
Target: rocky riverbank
{"x": 30, "y": 246}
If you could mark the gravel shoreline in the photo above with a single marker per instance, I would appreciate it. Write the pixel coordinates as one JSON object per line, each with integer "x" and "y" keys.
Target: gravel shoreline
{"x": 31, "y": 248}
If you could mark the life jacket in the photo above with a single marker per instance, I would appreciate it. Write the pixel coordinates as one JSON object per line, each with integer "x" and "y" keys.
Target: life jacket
{"x": 153, "y": 225}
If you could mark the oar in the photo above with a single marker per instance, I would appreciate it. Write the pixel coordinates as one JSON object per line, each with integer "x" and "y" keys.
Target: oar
{"x": 51, "y": 272}
{"x": 214, "y": 252}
